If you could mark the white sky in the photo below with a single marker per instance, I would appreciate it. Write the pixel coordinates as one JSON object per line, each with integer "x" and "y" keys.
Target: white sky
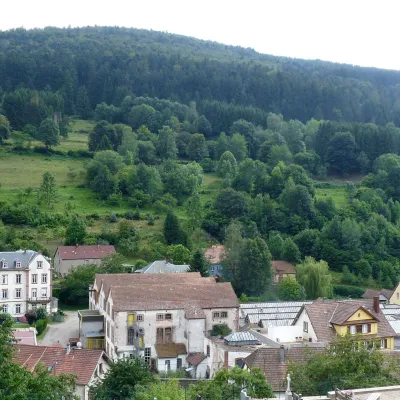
{"x": 361, "y": 32}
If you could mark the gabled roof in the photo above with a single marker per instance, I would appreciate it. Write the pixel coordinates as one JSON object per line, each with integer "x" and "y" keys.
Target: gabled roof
{"x": 370, "y": 294}
{"x": 283, "y": 267}
{"x": 170, "y": 350}
{"x": 81, "y": 362}
{"x": 236, "y": 338}
{"x": 215, "y": 254}
{"x": 25, "y": 257}
{"x": 322, "y": 313}
{"x": 195, "y": 358}
{"x": 94, "y": 252}
{"x": 270, "y": 362}
{"x": 163, "y": 267}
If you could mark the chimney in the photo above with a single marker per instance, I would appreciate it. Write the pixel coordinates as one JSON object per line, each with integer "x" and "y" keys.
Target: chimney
{"x": 376, "y": 304}
{"x": 68, "y": 348}
{"x": 282, "y": 353}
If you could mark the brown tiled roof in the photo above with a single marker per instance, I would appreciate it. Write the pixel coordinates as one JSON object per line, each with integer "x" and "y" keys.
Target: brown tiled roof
{"x": 215, "y": 254}
{"x": 323, "y": 313}
{"x": 173, "y": 295}
{"x": 370, "y": 294}
{"x": 129, "y": 279}
{"x": 194, "y": 311}
{"x": 170, "y": 350}
{"x": 81, "y": 362}
{"x": 85, "y": 252}
{"x": 283, "y": 267}
{"x": 270, "y": 362}
{"x": 195, "y": 358}
{"x": 25, "y": 336}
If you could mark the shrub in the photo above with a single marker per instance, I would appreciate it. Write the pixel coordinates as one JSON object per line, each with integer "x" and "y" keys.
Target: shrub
{"x": 31, "y": 317}
{"x": 221, "y": 330}
{"x": 348, "y": 291}
{"x": 41, "y": 325}
{"x": 41, "y": 313}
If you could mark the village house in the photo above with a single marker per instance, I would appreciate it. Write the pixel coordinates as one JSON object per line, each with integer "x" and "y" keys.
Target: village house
{"x": 87, "y": 365}
{"x": 25, "y": 282}
{"x": 324, "y": 319}
{"x": 214, "y": 256}
{"x": 281, "y": 269}
{"x": 68, "y": 257}
{"x": 162, "y": 317}
{"x": 163, "y": 267}
{"x": 386, "y": 296}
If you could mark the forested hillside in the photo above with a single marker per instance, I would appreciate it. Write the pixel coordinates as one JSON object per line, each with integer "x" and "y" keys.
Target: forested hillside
{"x": 111, "y": 63}
{"x": 162, "y": 144}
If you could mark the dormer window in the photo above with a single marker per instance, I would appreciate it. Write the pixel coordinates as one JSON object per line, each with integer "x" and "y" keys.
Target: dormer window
{"x": 4, "y": 264}
{"x": 17, "y": 264}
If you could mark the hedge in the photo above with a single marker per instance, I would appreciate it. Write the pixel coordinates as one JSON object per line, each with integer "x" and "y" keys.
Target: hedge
{"x": 348, "y": 291}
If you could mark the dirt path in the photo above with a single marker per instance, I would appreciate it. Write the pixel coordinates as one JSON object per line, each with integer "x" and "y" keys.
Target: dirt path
{"x": 59, "y": 333}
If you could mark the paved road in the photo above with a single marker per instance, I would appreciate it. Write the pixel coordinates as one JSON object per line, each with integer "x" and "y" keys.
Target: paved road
{"x": 59, "y": 333}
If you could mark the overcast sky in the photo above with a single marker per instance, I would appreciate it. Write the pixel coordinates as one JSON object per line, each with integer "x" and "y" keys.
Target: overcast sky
{"x": 361, "y": 32}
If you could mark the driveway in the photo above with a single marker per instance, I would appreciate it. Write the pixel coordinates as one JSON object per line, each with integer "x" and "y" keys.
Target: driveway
{"x": 59, "y": 333}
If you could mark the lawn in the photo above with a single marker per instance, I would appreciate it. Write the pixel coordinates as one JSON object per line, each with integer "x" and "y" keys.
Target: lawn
{"x": 338, "y": 195}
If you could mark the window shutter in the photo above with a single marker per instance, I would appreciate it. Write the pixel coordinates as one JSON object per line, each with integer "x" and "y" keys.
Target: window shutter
{"x": 131, "y": 319}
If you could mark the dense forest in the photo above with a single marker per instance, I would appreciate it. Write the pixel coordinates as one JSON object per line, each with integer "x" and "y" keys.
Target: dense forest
{"x": 167, "y": 112}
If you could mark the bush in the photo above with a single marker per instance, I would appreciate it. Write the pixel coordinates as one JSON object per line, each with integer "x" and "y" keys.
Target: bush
{"x": 41, "y": 313}
{"x": 31, "y": 316}
{"x": 220, "y": 330}
{"x": 348, "y": 291}
{"x": 41, "y": 325}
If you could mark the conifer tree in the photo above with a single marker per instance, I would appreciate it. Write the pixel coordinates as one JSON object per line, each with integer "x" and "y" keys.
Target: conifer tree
{"x": 199, "y": 263}
{"x": 83, "y": 107}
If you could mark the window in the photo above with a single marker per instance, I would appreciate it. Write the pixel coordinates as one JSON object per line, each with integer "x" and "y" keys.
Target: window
{"x": 34, "y": 278}
{"x": 131, "y": 336}
{"x": 168, "y": 335}
{"x": 44, "y": 278}
{"x": 4, "y": 293}
{"x": 239, "y": 362}
{"x": 44, "y": 292}
{"x": 108, "y": 329}
{"x": 179, "y": 363}
{"x": 167, "y": 365}
{"x": 384, "y": 344}
{"x": 17, "y": 264}
{"x": 18, "y": 309}
{"x": 147, "y": 355}
{"x": 18, "y": 278}
{"x": 4, "y": 264}
{"x": 5, "y": 308}
{"x": 365, "y": 328}
{"x": 17, "y": 293}
{"x": 224, "y": 314}
{"x": 100, "y": 368}
{"x": 352, "y": 329}
{"x": 160, "y": 317}
{"x": 215, "y": 314}
{"x": 208, "y": 351}
{"x": 39, "y": 264}
{"x": 305, "y": 326}
{"x": 168, "y": 316}
{"x": 160, "y": 335}
{"x": 140, "y": 317}
{"x": 4, "y": 279}
{"x": 108, "y": 308}
{"x": 34, "y": 293}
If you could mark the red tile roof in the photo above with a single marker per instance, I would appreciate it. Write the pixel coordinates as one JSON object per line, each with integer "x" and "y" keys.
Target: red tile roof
{"x": 370, "y": 294}
{"x": 80, "y": 362}
{"x": 25, "y": 336}
{"x": 85, "y": 252}
{"x": 215, "y": 254}
{"x": 283, "y": 267}
{"x": 195, "y": 358}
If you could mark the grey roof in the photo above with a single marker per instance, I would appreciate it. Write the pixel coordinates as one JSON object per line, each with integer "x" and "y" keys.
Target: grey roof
{"x": 265, "y": 323}
{"x": 275, "y": 304}
{"x": 162, "y": 267}
{"x": 241, "y": 337}
{"x": 264, "y": 340}
{"x": 24, "y": 256}
{"x": 395, "y": 325}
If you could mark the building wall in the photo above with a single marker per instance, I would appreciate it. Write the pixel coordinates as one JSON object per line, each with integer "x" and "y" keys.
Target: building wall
{"x": 300, "y": 323}
{"x": 195, "y": 335}
{"x": 395, "y": 298}
{"x": 26, "y": 286}
{"x": 286, "y": 334}
{"x": 360, "y": 315}
{"x": 64, "y": 266}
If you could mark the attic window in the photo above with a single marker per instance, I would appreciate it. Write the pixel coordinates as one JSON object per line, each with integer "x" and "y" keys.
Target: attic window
{"x": 17, "y": 264}
{"x": 359, "y": 315}
{"x": 4, "y": 264}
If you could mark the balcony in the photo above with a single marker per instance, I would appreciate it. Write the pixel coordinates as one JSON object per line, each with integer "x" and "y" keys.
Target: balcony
{"x": 41, "y": 300}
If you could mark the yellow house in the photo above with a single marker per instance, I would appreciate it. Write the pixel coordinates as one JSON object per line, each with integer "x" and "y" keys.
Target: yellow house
{"x": 395, "y": 297}
{"x": 323, "y": 319}
{"x": 386, "y": 296}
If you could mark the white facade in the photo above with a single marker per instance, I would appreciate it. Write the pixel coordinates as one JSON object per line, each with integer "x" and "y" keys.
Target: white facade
{"x": 286, "y": 334}
{"x": 304, "y": 324}
{"x": 25, "y": 282}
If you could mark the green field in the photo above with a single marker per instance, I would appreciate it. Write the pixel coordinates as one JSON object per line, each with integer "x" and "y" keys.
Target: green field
{"x": 338, "y": 195}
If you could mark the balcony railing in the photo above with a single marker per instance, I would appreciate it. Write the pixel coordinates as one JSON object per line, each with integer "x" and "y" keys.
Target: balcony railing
{"x": 44, "y": 299}
{"x": 95, "y": 344}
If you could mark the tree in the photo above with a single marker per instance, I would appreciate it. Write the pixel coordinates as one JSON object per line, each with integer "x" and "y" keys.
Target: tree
{"x": 275, "y": 245}
{"x": 48, "y": 189}
{"x": 255, "y": 267}
{"x": 83, "y": 107}
{"x": 178, "y": 254}
{"x": 345, "y": 365}
{"x": 169, "y": 390}
{"x": 290, "y": 251}
{"x": 222, "y": 145}
{"x": 122, "y": 379}
{"x": 342, "y": 153}
{"x": 143, "y": 115}
{"x": 194, "y": 211}
{"x": 232, "y": 204}
{"x": 49, "y": 133}
{"x": 75, "y": 232}
{"x": 102, "y": 137}
{"x": 234, "y": 244}
{"x": 314, "y": 277}
{"x": 197, "y": 147}
{"x": 199, "y": 263}
{"x": 290, "y": 289}
{"x": 4, "y": 128}
{"x": 166, "y": 144}
{"x": 172, "y": 230}
{"x": 227, "y": 167}
{"x": 104, "y": 183}
{"x": 238, "y": 147}
{"x": 202, "y": 125}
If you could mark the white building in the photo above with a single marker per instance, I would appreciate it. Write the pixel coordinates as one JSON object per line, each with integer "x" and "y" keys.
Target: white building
{"x": 25, "y": 281}
{"x": 163, "y": 317}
